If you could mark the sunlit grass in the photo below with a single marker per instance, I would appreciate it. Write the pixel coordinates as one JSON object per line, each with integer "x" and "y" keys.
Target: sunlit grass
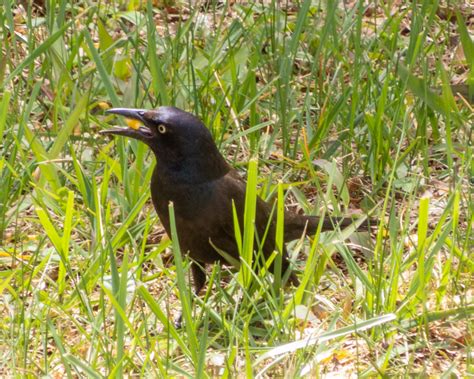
{"x": 347, "y": 109}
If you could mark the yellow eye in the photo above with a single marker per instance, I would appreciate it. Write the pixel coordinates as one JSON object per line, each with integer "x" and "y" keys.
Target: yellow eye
{"x": 162, "y": 129}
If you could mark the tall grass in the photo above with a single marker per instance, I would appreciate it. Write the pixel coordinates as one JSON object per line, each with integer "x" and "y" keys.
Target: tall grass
{"x": 345, "y": 107}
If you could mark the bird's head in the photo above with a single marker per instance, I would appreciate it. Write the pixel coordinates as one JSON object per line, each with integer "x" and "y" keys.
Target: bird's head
{"x": 179, "y": 139}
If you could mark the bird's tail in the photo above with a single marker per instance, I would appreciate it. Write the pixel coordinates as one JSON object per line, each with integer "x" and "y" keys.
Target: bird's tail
{"x": 296, "y": 225}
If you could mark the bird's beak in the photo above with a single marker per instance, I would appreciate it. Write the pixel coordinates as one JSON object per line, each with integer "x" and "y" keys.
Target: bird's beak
{"x": 134, "y": 130}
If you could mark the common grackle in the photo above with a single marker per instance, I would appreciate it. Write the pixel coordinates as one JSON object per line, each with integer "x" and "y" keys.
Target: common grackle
{"x": 191, "y": 172}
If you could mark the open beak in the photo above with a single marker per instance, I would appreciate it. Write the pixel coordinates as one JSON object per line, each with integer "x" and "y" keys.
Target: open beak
{"x": 141, "y": 133}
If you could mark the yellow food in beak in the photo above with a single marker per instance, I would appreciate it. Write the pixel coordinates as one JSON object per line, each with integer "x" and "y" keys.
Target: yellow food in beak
{"x": 134, "y": 124}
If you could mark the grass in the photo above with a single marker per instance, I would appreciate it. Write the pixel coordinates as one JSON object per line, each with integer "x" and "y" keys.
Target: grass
{"x": 346, "y": 108}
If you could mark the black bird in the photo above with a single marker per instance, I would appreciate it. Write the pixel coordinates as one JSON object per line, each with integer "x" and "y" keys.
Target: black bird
{"x": 191, "y": 172}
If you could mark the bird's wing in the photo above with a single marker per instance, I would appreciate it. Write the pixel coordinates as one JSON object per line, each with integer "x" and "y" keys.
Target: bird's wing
{"x": 234, "y": 188}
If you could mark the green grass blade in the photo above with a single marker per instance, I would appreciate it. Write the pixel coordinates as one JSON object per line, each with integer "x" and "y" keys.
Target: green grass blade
{"x": 185, "y": 295}
{"x": 249, "y": 222}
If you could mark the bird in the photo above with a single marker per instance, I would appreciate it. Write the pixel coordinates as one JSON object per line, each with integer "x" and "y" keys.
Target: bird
{"x": 191, "y": 173}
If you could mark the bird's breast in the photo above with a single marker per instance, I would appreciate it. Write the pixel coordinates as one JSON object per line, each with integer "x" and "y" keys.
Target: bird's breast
{"x": 189, "y": 199}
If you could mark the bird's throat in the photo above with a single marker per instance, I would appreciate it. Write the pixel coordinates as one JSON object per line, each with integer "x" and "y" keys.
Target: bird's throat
{"x": 191, "y": 170}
